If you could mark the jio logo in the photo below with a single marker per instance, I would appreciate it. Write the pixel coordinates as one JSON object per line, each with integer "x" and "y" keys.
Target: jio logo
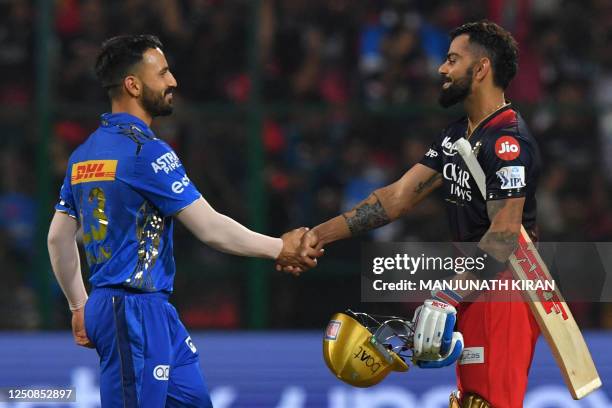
{"x": 507, "y": 148}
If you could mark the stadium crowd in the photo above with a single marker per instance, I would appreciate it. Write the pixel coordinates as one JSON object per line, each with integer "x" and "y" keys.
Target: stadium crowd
{"x": 345, "y": 93}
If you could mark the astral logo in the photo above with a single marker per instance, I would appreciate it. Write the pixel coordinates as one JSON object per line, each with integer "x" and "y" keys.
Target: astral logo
{"x": 166, "y": 162}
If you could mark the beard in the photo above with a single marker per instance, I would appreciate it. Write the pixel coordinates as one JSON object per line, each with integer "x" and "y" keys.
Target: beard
{"x": 154, "y": 103}
{"x": 457, "y": 91}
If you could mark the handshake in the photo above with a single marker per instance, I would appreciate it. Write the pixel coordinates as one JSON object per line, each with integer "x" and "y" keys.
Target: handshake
{"x": 301, "y": 248}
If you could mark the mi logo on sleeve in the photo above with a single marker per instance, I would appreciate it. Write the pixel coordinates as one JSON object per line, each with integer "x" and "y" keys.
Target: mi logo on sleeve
{"x": 190, "y": 344}
{"x": 93, "y": 170}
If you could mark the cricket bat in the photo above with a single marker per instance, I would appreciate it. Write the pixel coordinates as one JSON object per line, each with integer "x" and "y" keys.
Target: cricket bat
{"x": 548, "y": 307}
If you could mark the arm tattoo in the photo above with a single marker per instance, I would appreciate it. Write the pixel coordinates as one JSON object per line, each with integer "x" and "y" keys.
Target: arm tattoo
{"x": 500, "y": 244}
{"x": 366, "y": 216}
{"x": 424, "y": 185}
{"x": 494, "y": 206}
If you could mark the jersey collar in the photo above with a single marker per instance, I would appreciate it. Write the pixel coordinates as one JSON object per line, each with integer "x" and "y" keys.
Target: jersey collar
{"x": 493, "y": 118}
{"x": 123, "y": 119}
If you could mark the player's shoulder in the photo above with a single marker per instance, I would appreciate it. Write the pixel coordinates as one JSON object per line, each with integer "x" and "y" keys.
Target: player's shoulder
{"x": 508, "y": 128}
{"x": 507, "y": 137}
{"x": 507, "y": 122}
{"x": 82, "y": 151}
{"x": 158, "y": 157}
{"x": 153, "y": 148}
{"x": 452, "y": 131}
{"x": 457, "y": 126}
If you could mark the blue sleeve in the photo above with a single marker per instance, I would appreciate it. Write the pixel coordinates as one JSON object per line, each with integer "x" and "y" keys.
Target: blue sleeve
{"x": 160, "y": 177}
{"x": 507, "y": 161}
{"x": 66, "y": 199}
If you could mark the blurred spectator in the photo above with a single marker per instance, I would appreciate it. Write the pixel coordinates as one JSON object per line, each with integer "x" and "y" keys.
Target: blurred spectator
{"x": 16, "y": 53}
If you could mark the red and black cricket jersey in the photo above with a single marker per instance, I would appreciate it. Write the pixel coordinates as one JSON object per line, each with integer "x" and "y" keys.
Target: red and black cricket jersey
{"x": 511, "y": 161}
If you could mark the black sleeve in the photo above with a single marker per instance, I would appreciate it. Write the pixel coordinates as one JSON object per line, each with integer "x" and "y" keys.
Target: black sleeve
{"x": 433, "y": 157}
{"x": 506, "y": 161}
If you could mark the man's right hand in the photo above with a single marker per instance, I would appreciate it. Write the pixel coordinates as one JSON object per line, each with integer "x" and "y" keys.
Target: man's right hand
{"x": 78, "y": 329}
{"x": 310, "y": 245}
{"x": 290, "y": 259}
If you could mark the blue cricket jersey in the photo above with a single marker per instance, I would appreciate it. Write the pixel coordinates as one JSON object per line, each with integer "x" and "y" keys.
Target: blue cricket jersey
{"x": 123, "y": 185}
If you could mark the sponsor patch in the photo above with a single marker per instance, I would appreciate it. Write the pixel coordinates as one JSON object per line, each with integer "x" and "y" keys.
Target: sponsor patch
{"x": 511, "y": 177}
{"x": 179, "y": 186}
{"x": 333, "y": 328}
{"x": 161, "y": 372}
{"x": 448, "y": 147}
{"x": 460, "y": 186}
{"x": 93, "y": 170}
{"x": 367, "y": 359}
{"x": 507, "y": 148}
{"x": 190, "y": 344}
{"x": 472, "y": 355}
{"x": 166, "y": 162}
{"x": 440, "y": 305}
{"x": 431, "y": 153}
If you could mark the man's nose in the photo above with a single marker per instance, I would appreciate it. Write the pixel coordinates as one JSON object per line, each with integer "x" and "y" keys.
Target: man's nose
{"x": 442, "y": 69}
{"x": 173, "y": 82}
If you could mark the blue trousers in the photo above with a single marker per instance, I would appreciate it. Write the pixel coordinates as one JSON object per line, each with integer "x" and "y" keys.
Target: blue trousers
{"x": 147, "y": 358}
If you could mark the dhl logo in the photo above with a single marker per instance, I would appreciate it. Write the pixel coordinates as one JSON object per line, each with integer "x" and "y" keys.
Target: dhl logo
{"x": 93, "y": 170}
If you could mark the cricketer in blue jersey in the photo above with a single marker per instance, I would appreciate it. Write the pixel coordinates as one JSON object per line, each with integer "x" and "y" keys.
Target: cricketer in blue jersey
{"x": 123, "y": 186}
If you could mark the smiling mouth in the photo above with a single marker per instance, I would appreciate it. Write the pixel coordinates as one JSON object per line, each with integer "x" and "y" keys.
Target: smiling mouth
{"x": 446, "y": 84}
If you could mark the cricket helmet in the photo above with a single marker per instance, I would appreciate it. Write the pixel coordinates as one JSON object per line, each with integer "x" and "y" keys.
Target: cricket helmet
{"x": 362, "y": 349}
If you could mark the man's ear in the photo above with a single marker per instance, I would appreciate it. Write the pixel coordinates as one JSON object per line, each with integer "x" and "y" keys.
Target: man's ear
{"x": 132, "y": 86}
{"x": 482, "y": 68}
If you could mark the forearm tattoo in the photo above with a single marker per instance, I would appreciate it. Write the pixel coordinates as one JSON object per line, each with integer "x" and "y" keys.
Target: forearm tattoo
{"x": 424, "y": 185}
{"x": 499, "y": 244}
{"x": 368, "y": 215}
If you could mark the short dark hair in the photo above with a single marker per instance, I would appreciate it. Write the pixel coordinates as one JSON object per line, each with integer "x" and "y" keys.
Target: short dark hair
{"x": 119, "y": 54}
{"x": 499, "y": 45}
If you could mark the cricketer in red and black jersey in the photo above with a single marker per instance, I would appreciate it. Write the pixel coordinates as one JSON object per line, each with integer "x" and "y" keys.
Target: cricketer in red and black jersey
{"x": 510, "y": 159}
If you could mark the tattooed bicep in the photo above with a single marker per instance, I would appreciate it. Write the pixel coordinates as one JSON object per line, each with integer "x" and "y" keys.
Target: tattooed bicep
{"x": 423, "y": 186}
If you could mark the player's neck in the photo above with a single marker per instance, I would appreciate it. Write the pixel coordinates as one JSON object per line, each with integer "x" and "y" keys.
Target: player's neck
{"x": 481, "y": 106}
{"x": 133, "y": 108}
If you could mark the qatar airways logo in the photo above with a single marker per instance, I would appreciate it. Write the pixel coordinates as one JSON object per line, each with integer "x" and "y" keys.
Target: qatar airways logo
{"x": 459, "y": 178}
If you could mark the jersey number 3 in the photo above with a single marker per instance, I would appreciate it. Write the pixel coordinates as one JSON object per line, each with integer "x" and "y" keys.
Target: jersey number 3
{"x": 97, "y": 223}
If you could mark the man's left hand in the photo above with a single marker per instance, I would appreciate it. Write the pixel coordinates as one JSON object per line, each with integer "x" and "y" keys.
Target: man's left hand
{"x": 435, "y": 343}
{"x": 78, "y": 329}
